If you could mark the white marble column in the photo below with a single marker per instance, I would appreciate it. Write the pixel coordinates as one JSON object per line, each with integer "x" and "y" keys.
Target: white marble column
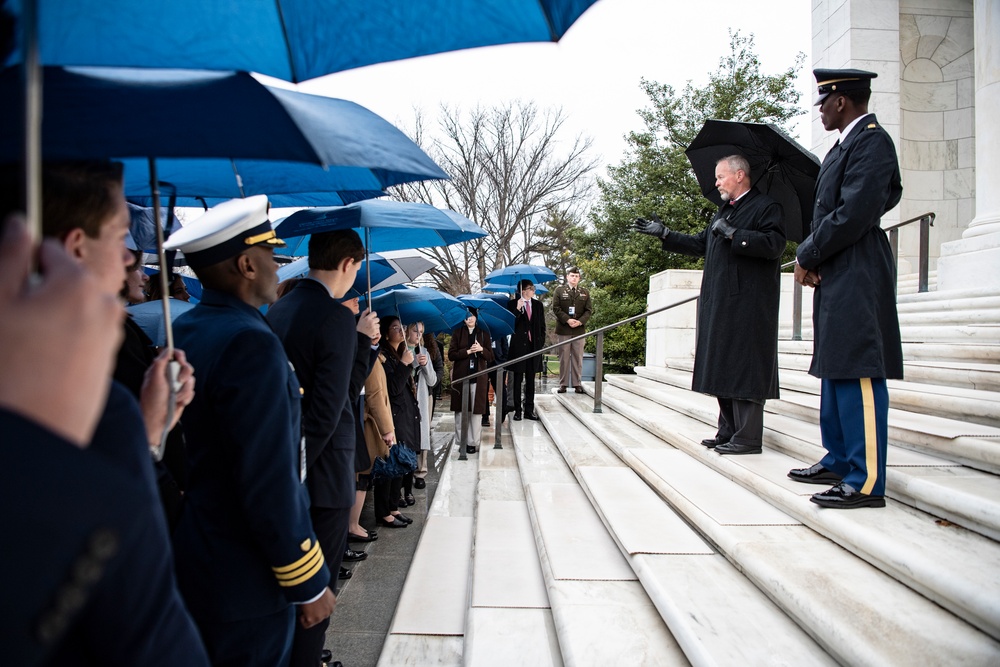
{"x": 974, "y": 259}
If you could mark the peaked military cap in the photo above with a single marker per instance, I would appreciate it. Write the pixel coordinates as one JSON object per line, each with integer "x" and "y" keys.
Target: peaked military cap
{"x": 839, "y": 80}
{"x": 225, "y": 231}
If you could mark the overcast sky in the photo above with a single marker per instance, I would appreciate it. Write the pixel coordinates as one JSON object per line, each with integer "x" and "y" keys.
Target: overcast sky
{"x": 593, "y": 73}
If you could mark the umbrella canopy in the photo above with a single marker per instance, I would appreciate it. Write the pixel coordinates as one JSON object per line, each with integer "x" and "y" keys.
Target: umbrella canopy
{"x": 510, "y": 275}
{"x": 290, "y": 39}
{"x": 177, "y": 114}
{"x": 437, "y": 310}
{"x": 779, "y": 167}
{"x": 498, "y": 297}
{"x": 149, "y": 317}
{"x": 508, "y": 290}
{"x": 384, "y": 224}
{"x": 497, "y": 319}
{"x": 381, "y": 271}
{"x": 409, "y": 264}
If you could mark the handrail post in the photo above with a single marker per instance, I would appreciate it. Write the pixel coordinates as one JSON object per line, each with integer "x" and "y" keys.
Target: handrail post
{"x": 498, "y": 419}
{"x": 925, "y": 233}
{"x": 463, "y": 440}
{"x": 599, "y": 372}
{"x": 796, "y": 311}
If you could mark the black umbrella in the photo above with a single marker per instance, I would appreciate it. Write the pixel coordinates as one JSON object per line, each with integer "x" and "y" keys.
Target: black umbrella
{"x": 779, "y": 167}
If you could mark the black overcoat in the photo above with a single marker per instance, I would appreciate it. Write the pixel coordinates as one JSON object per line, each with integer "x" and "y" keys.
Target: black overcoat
{"x": 402, "y": 398}
{"x": 737, "y": 351}
{"x": 521, "y": 343}
{"x": 458, "y": 354}
{"x": 855, "y": 325}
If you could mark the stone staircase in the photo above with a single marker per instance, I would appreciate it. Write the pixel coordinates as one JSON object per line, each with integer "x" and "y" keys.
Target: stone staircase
{"x": 616, "y": 538}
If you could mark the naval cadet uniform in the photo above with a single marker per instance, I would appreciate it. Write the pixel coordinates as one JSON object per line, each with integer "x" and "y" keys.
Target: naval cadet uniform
{"x": 245, "y": 548}
{"x": 571, "y": 303}
{"x": 856, "y": 344}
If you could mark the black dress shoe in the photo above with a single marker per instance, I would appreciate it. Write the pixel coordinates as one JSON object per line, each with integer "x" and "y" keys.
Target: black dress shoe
{"x": 579, "y": 390}
{"x": 714, "y": 442}
{"x": 469, "y": 449}
{"x": 351, "y": 556}
{"x": 844, "y": 497}
{"x": 561, "y": 390}
{"x": 531, "y": 415}
{"x": 345, "y": 573}
{"x": 485, "y": 421}
{"x": 409, "y": 500}
{"x": 419, "y": 482}
{"x": 402, "y": 517}
{"x": 733, "y": 448}
{"x": 517, "y": 416}
{"x": 370, "y": 537}
{"x": 392, "y": 524}
{"x": 814, "y": 474}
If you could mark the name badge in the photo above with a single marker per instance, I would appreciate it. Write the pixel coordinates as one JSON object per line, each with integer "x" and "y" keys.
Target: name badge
{"x": 472, "y": 363}
{"x": 572, "y": 311}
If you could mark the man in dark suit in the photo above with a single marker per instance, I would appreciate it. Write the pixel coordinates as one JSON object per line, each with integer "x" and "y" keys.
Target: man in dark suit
{"x": 528, "y": 337}
{"x": 246, "y": 551}
{"x": 736, "y": 357}
{"x": 320, "y": 338}
{"x": 847, "y": 259}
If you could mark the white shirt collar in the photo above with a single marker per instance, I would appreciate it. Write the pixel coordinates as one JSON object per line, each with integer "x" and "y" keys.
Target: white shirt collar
{"x": 847, "y": 130}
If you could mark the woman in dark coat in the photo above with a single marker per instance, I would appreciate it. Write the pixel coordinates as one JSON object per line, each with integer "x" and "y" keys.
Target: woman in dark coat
{"x": 398, "y": 369}
{"x": 470, "y": 351}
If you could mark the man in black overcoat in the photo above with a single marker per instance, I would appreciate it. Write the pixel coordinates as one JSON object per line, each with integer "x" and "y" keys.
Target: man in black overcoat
{"x": 847, "y": 259}
{"x": 736, "y": 358}
{"x": 320, "y": 338}
{"x": 528, "y": 337}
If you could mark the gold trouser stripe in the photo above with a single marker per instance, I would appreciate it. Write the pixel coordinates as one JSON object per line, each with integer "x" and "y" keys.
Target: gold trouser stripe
{"x": 305, "y": 575}
{"x": 871, "y": 437}
{"x": 288, "y": 569}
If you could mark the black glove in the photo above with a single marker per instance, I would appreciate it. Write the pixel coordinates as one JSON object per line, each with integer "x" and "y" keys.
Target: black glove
{"x": 653, "y": 226}
{"x": 722, "y": 228}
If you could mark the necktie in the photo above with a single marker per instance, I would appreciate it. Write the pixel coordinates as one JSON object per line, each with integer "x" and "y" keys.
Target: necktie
{"x": 527, "y": 309}
{"x": 732, "y": 202}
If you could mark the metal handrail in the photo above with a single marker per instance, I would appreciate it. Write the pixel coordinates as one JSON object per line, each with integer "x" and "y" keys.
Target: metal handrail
{"x": 926, "y": 220}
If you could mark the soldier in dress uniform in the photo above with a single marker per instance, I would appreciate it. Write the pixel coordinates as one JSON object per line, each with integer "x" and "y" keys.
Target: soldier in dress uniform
{"x": 572, "y": 308}
{"x": 248, "y": 561}
{"x": 848, "y": 260}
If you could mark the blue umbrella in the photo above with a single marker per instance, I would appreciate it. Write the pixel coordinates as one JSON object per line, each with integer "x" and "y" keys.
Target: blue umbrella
{"x": 510, "y": 275}
{"x": 290, "y": 39}
{"x": 498, "y": 297}
{"x": 149, "y": 317}
{"x": 510, "y": 289}
{"x": 386, "y": 225}
{"x": 437, "y": 310}
{"x": 381, "y": 271}
{"x": 247, "y": 138}
{"x": 497, "y": 319}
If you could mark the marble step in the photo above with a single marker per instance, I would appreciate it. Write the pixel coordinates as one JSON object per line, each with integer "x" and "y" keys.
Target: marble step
{"x": 774, "y": 552}
{"x": 949, "y": 301}
{"x": 905, "y": 543}
{"x": 935, "y": 296}
{"x": 600, "y": 610}
{"x": 508, "y": 596}
{"x": 910, "y": 318}
{"x": 963, "y": 404}
{"x": 717, "y": 616}
{"x": 428, "y": 627}
{"x": 931, "y": 483}
{"x": 976, "y": 352}
{"x": 963, "y": 375}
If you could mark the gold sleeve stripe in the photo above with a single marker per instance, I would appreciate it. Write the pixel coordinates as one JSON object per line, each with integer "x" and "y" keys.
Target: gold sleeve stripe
{"x": 305, "y": 576}
{"x": 288, "y": 569}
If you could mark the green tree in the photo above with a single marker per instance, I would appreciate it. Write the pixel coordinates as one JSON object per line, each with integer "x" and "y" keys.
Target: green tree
{"x": 656, "y": 177}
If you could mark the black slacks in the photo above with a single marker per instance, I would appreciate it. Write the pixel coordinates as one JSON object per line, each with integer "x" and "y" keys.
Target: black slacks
{"x": 529, "y": 392}
{"x": 741, "y": 422}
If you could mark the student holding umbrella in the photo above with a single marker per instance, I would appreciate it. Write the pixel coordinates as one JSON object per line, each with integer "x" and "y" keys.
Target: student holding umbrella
{"x": 470, "y": 351}
{"x": 736, "y": 357}
{"x": 528, "y": 337}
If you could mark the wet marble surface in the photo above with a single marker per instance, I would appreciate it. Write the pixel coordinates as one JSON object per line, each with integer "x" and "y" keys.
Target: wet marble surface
{"x": 506, "y": 572}
{"x": 421, "y": 651}
{"x": 516, "y": 637}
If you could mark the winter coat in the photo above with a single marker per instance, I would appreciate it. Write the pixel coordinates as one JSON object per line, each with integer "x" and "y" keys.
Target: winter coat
{"x": 855, "y": 325}
{"x": 737, "y": 350}
{"x": 378, "y": 412}
{"x": 425, "y": 378}
{"x": 461, "y": 341}
{"x": 402, "y": 399}
{"x": 521, "y": 343}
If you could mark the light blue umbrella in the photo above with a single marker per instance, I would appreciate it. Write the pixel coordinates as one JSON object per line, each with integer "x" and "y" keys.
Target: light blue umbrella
{"x": 294, "y": 40}
{"x": 383, "y": 225}
{"x": 149, "y": 317}
{"x": 510, "y": 275}
{"x": 497, "y": 319}
{"x": 437, "y": 310}
{"x": 381, "y": 271}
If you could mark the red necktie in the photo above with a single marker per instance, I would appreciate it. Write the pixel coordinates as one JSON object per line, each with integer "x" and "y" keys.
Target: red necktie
{"x": 527, "y": 309}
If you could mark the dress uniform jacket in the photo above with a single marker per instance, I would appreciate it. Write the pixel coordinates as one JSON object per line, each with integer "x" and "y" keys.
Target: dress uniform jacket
{"x": 520, "y": 341}
{"x": 577, "y": 298}
{"x": 458, "y": 354}
{"x": 82, "y": 527}
{"x": 858, "y": 182}
{"x": 244, "y": 544}
{"x": 737, "y": 350}
{"x": 320, "y": 338}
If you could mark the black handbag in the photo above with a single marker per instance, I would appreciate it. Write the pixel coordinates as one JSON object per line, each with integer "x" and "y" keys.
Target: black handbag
{"x": 401, "y": 461}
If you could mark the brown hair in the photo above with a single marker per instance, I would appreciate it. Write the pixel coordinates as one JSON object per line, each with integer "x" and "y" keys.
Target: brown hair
{"x": 328, "y": 249}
